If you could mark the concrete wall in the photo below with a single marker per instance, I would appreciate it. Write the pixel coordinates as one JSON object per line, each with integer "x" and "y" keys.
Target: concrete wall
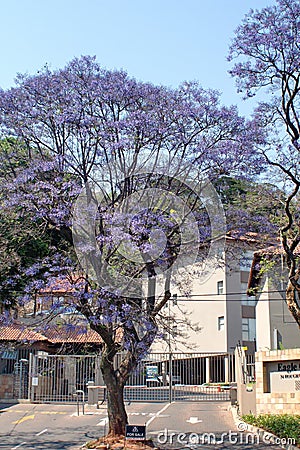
{"x": 233, "y": 306}
{"x": 202, "y": 309}
{"x": 246, "y": 392}
{"x": 263, "y": 319}
{"x": 205, "y": 312}
{"x": 205, "y": 305}
{"x": 6, "y": 386}
{"x": 275, "y": 402}
{"x": 275, "y": 326}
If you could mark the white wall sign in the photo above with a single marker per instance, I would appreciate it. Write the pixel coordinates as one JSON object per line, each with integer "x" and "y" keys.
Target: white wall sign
{"x": 285, "y": 381}
{"x": 35, "y": 381}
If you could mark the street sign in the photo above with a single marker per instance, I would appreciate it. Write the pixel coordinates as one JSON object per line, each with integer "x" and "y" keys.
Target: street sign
{"x": 135, "y": 432}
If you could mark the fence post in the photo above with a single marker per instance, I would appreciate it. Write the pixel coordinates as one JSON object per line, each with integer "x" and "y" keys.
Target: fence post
{"x": 170, "y": 379}
{"x": 226, "y": 369}
{"x": 207, "y": 369}
{"x": 30, "y": 376}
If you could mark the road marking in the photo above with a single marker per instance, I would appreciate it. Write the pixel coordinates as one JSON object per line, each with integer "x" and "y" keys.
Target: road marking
{"x": 42, "y": 432}
{"x": 23, "y": 419}
{"x": 17, "y": 446}
{"x": 103, "y": 421}
{"x": 157, "y": 414}
{"x": 193, "y": 420}
{"x": 37, "y": 412}
{"x": 17, "y": 410}
{"x": 150, "y": 414}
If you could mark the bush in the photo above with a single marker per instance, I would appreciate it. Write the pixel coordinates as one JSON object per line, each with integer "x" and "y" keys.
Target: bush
{"x": 282, "y": 425}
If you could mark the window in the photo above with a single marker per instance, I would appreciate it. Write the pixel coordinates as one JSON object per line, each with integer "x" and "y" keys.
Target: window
{"x": 248, "y": 329}
{"x": 246, "y": 261}
{"x": 221, "y": 323}
{"x": 246, "y": 300}
{"x": 58, "y": 301}
{"x": 220, "y": 287}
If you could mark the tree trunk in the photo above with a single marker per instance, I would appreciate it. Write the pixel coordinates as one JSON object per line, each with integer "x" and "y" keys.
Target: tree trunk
{"x": 117, "y": 415}
{"x": 291, "y": 301}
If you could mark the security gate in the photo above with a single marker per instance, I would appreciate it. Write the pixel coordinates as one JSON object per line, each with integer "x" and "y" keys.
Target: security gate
{"x": 159, "y": 377}
{"x": 56, "y": 378}
{"x": 182, "y": 377}
{"x": 20, "y": 380}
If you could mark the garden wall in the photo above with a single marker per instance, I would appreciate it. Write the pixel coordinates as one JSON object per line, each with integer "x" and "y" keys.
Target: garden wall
{"x": 278, "y": 381}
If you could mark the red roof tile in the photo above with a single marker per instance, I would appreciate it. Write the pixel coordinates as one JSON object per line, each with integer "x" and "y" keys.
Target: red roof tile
{"x": 63, "y": 286}
{"x": 55, "y": 334}
{"x": 19, "y": 332}
{"x": 80, "y": 335}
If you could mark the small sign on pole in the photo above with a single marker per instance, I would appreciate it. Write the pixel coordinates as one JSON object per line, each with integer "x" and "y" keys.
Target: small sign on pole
{"x": 135, "y": 432}
{"x": 34, "y": 381}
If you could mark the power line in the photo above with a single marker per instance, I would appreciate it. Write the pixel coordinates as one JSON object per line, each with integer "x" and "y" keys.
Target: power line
{"x": 230, "y": 293}
{"x": 216, "y": 297}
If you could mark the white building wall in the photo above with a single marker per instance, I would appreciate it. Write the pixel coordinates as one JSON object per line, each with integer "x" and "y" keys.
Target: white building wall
{"x": 275, "y": 326}
{"x": 263, "y": 320}
{"x": 205, "y": 306}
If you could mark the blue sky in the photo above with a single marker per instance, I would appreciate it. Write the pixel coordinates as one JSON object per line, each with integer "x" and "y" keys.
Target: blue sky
{"x": 162, "y": 41}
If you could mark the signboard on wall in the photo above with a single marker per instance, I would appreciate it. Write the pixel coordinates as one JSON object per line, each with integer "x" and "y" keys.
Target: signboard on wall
{"x": 285, "y": 381}
{"x": 283, "y": 376}
{"x": 284, "y": 366}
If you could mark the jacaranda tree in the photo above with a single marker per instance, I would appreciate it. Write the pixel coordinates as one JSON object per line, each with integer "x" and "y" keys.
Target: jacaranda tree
{"x": 266, "y": 48}
{"x": 118, "y": 177}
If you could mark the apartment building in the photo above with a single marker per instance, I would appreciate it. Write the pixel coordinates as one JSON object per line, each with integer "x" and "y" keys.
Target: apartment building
{"x": 219, "y": 307}
{"x": 275, "y": 326}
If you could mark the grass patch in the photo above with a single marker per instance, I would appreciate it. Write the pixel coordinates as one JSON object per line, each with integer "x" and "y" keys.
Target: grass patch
{"x": 282, "y": 425}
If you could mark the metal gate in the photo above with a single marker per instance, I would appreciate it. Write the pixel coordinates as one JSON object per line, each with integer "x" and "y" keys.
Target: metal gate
{"x": 56, "y": 378}
{"x": 21, "y": 379}
{"x": 159, "y": 377}
{"x": 182, "y": 377}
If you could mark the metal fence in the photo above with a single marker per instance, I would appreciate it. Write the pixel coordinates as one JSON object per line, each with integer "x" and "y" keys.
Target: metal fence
{"x": 159, "y": 377}
{"x": 56, "y": 378}
{"x": 181, "y": 376}
{"x": 9, "y": 358}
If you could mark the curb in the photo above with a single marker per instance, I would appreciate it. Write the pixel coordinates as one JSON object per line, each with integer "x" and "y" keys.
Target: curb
{"x": 266, "y": 436}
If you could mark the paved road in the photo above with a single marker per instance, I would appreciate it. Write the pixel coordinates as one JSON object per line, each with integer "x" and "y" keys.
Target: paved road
{"x": 202, "y": 425}
{"x": 58, "y": 427}
{"x": 45, "y": 427}
{"x": 180, "y": 425}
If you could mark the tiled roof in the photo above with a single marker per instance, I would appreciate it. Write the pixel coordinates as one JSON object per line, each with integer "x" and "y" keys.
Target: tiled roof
{"x": 80, "y": 335}
{"x": 19, "y": 332}
{"x": 62, "y": 286}
{"x": 255, "y": 274}
{"x": 55, "y": 335}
